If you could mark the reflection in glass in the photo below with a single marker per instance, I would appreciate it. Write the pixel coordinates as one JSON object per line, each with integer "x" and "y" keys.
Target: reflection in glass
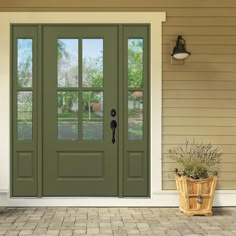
{"x": 24, "y": 62}
{"x": 68, "y": 61}
{"x": 135, "y": 115}
{"x": 135, "y": 63}
{"x": 67, "y": 115}
{"x": 92, "y": 115}
{"x": 93, "y": 63}
{"x": 24, "y": 115}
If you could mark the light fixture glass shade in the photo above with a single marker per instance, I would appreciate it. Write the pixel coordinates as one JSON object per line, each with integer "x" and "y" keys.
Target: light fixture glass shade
{"x": 181, "y": 55}
{"x": 180, "y": 52}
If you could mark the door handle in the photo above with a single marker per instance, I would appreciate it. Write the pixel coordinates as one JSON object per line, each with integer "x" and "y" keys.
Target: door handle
{"x": 113, "y": 127}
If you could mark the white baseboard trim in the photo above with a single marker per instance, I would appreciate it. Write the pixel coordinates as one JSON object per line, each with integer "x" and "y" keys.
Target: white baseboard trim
{"x": 4, "y": 190}
{"x": 161, "y": 199}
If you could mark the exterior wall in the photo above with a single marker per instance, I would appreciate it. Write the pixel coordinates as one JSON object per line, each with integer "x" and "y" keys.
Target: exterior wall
{"x": 198, "y": 96}
{"x": 108, "y": 5}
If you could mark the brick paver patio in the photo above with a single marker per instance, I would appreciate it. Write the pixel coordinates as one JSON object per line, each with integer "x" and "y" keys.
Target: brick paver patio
{"x": 114, "y": 221}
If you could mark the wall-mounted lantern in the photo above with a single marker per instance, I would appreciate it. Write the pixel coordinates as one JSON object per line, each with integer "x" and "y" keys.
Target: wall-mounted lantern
{"x": 179, "y": 51}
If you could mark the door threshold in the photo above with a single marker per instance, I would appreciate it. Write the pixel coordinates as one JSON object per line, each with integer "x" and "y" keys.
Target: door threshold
{"x": 103, "y": 198}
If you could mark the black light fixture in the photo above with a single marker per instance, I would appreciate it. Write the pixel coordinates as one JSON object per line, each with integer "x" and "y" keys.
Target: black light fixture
{"x": 179, "y": 51}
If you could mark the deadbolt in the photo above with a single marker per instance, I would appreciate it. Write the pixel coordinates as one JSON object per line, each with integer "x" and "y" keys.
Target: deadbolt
{"x": 113, "y": 112}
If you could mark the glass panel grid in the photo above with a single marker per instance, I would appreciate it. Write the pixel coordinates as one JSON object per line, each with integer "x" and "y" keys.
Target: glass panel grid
{"x": 91, "y": 112}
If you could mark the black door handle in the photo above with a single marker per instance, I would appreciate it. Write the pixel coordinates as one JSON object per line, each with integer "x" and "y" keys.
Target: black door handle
{"x": 113, "y": 127}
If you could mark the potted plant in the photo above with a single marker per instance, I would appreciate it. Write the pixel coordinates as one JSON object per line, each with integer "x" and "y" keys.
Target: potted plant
{"x": 196, "y": 176}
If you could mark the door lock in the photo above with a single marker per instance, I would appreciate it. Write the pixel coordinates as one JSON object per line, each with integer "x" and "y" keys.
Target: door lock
{"x": 113, "y": 112}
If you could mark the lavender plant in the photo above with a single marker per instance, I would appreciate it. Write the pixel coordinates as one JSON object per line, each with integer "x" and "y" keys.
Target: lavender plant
{"x": 196, "y": 160}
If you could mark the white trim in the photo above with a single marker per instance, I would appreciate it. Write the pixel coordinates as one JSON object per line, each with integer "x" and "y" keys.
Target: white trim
{"x": 161, "y": 199}
{"x": 4, "y": 191}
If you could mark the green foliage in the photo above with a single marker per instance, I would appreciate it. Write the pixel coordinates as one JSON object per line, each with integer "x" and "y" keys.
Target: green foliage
{"x": 136, "y": 130}
{"x": 135, "y": 63}
{"x": 66, "y": 99}
{"x": 93, "y": 72}
{"x": 196, "y": 160}
{"x": 24, "y": 72}
{"x": 67, "y": 60}
{"x": 24, "y": 62}
{"x": 61, "y": 50}
{"x": 132, "y": 112}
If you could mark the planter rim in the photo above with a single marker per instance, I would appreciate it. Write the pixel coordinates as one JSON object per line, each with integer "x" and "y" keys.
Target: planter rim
{"x": 196, "y": 180}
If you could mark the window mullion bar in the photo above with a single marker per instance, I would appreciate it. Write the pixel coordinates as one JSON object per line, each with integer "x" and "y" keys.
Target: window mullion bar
{"x": 80, "y": 110}
{"x": 39, "y": 110}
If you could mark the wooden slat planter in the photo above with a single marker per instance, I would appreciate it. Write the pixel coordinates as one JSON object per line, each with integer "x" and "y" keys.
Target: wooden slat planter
{"x": 196, "y": 195}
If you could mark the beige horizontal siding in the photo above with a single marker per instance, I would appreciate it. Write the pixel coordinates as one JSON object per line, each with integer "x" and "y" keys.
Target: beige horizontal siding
{"x": 201, "y": 21}
{"x": 199, "y": 12}
{"x": 200, "y": 130}
{"x": 115, "y": 4}
{"x": 220, "y": 139}
{"x": 221, "y": 67}
{"x": 198, "y": 76}
{"x": 227, "y": 149}
{"x": 198, "y": 121}
{"x": 227, "y": 157}
{"x": 200, "y": 103}
{"x": 201, "y": 39}
{"x": 199, "y": 95}
{"x": 199, "y": 30}
{"x": 203, "y": 85}
{"x": 171, "y": 11}
{"x": 199, "y": 112}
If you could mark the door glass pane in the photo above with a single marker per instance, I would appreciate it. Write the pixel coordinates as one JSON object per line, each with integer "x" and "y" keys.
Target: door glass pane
{"x": 135, "y": 63}
{"x": 67, "y": 115}
{"x": 92, "y": 115}
{"x": 135, "y": 115}
{"x": 24, "y": 115}
{"x": 68, "y": 63}
{"x": 24, "y": 62}
{"x": 93, "y": 63}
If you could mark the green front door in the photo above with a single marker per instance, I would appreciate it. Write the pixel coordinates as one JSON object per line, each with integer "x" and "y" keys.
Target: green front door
{"x": 87, "y": 134}
{"x": 80, "y": 89}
